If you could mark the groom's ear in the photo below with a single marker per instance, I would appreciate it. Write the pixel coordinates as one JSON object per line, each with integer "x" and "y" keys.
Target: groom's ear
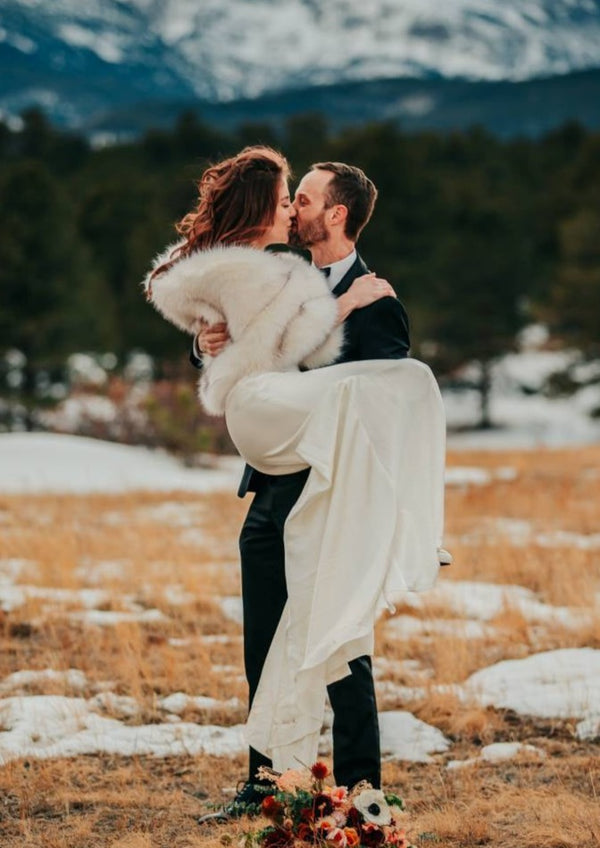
{"x": 338, "y": 215}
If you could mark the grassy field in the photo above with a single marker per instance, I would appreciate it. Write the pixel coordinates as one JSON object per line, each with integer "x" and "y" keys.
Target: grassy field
{"x": 177, "y": 553}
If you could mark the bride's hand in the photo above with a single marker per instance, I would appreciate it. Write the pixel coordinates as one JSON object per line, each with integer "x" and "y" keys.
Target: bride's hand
{"x": 369, "y": 288}
{"x": 363, "y": 291}
{"x": 212, "y": 339}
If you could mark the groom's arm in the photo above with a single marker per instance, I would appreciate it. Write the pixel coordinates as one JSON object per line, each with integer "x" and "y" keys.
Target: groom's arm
{"x": 384, "y": 331}
{"x": 196, "y": 354}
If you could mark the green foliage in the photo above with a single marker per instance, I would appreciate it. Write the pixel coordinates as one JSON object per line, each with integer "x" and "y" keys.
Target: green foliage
{"x": 53, "y": 301}
{"x": 575, "y": 301}
{"x": 394, "y": 800}
{"x": 305, "y": 141}
{"x": 177, "y": 422}
{"x": 477, "y": 235}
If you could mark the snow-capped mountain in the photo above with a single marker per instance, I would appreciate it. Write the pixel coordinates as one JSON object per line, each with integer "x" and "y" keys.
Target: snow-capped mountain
{"x": 120, "y": 51}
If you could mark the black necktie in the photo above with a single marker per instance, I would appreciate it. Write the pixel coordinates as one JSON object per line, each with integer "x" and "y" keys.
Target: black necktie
{"x": 326, "y": 271}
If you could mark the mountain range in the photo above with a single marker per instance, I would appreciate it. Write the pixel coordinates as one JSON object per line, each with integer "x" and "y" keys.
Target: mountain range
{"x": 121, "y": 65}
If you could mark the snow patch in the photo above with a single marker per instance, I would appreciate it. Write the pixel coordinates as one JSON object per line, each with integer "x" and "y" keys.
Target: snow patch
{"x": 71, "y": 679}
{"x": 231, "y": 607}
{"x": 498, "y": 752}
{"x": 553, "y": 684}
{"x": 404, "y": 737}
{"x": 104, "y": 45}
{"x": 484, "y": 601}
{"x": 53, "y": 726}
{"x": 19, "y": 42}
{"x": 108, "y": 618}
{"x": 44, "y": 462}
{"x": 14, "y": 596}
{"x": 406, "y": 626}
{"x": 178, "y": 702}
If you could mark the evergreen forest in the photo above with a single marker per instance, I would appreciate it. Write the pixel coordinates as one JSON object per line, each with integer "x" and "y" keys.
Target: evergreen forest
{"x": 479, "y": 237}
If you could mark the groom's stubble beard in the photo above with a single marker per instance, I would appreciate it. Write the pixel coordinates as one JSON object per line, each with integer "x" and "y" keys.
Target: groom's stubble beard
{"x": 309, "y": 234}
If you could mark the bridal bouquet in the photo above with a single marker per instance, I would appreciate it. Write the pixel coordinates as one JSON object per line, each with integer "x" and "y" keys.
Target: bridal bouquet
{"x": 304, "y": 811}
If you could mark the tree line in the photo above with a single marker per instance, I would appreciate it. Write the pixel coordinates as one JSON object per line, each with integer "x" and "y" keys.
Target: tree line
{"x": 479, "y": 236}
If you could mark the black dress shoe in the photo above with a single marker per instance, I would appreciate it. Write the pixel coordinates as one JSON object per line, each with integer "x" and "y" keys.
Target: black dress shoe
{"x": 247, "y": 802}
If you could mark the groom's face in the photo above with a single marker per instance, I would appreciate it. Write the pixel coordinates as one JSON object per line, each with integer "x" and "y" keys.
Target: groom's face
{"x": 311, "y": 225}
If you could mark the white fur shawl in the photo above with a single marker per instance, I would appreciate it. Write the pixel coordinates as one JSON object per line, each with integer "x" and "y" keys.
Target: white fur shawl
{"x": 278, "y": 309}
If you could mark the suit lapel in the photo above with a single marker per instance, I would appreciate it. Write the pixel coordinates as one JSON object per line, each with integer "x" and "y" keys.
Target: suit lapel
{"x": 356, "y": 270}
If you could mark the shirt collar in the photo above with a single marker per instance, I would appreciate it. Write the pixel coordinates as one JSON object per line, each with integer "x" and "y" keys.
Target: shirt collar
{"x": 339, "y": 269}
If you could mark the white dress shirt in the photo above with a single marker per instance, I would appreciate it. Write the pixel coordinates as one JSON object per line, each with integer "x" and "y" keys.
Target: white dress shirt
{"x": 339, "y": 269}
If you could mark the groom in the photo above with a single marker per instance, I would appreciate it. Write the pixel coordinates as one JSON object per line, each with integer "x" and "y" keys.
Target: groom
{"x": 333, "y": 203}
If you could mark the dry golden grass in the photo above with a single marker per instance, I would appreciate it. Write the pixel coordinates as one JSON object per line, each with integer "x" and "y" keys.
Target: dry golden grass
{"x": 63, "y": 537}
{"x": 135, "y": 546}
{"x": 553, "y": 490}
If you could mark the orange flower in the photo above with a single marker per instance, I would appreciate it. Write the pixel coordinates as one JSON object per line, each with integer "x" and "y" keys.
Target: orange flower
{"x": 320, "y": 770}
{"x": 395, "y": 837}
{"x": 338, "y": 795}
{"x": 351, "y": 837}
{"x": 293, "y": 779}
{"x": 323, "y": 827}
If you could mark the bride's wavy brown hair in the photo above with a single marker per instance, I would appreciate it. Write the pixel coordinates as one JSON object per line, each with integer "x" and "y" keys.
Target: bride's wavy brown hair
{"x": 236, "y": 204}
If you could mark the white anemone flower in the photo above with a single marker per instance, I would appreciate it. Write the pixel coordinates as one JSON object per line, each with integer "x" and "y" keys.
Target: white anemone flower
{"x": 372, "y": 805}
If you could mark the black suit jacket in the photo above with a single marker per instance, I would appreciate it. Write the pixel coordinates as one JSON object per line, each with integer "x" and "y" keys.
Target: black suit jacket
{"x": 377, "y": 331}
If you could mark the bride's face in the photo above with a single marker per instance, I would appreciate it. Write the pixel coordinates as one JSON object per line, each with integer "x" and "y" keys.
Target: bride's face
{"x": 279, "y": 231}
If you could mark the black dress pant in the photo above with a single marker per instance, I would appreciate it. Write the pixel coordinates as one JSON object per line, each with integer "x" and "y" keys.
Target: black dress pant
{"x": 356, "y": 754}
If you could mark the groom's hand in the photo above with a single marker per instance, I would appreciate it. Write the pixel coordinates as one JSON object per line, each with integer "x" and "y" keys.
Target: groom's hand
{"x": 211, "y": 339}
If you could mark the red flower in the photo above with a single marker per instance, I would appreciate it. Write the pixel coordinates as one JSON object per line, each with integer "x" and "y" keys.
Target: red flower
{"x": 322, "y": 805}
{"x": 270, "y": 807}
{"x": 337, "y": 837}
{"x": 307, "y": 814}
{"x": 278, "y": 838}
{"x": 372, "y": 835}
{"x": 320, "y": 770}
{"x": 305, "y": 832}
{"x": 354, "y": 818}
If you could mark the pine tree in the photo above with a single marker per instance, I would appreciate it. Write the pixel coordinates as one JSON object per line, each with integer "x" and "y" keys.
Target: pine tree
{"x": 575, "y": 298}
{"x": 52, "y": 302}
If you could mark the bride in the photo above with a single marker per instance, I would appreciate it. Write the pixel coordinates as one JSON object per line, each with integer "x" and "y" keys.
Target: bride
{"x": 368, "y": 523}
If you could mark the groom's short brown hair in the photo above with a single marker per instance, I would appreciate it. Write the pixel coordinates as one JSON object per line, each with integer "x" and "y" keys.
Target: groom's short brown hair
{"x": 351, "y": 188}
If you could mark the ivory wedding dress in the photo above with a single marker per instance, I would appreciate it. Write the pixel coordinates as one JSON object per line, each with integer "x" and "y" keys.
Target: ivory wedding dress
{"x": 368, "y": 523}
{"x": 365, "y": 529}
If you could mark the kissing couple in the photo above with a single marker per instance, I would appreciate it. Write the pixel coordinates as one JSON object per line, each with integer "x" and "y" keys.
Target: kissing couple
{"x": 305, "y": 352}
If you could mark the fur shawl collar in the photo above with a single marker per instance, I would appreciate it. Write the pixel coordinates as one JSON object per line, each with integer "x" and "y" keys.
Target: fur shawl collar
{"x": 279, "y": 311}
